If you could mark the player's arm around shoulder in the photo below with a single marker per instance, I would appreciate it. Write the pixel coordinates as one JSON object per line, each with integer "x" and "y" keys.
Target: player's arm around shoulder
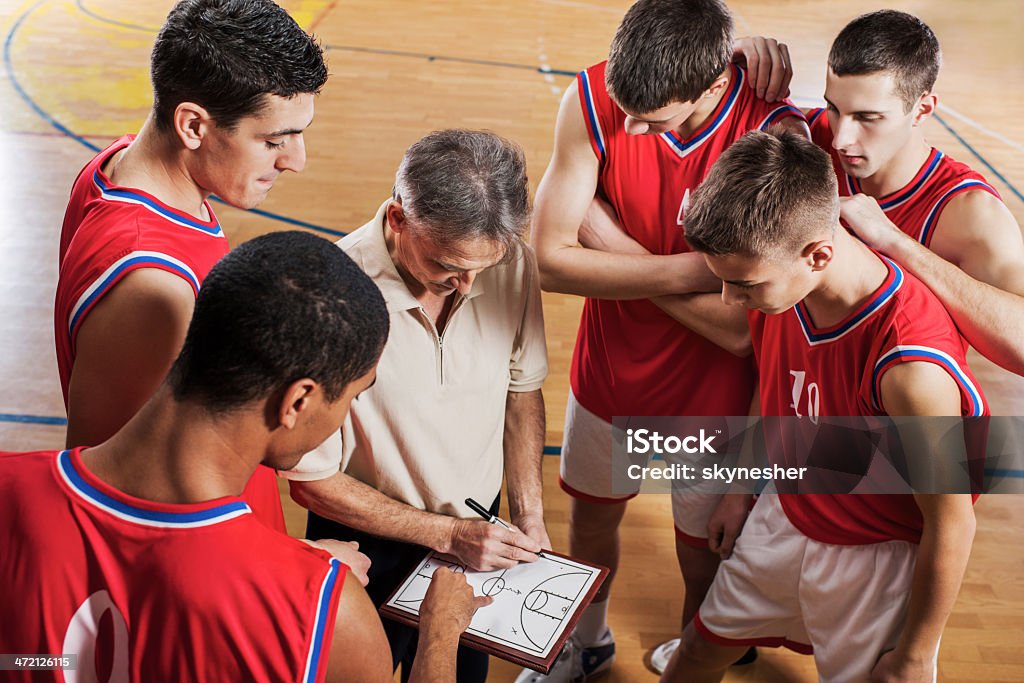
{"x": 124, "y": 348}
{"x": 925, "y": 389}
{"x": 563, "y": 199}
{"x": 977, "y": 233}
{"x": 984, "y": 292}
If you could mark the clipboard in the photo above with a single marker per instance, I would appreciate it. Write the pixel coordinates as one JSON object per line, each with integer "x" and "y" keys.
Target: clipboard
{"x": 536, "y": 605}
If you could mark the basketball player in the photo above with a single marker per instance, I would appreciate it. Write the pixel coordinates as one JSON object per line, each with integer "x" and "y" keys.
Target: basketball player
{"x": 139, "y": 557}
{"x": 866, "y": 581}
{"x": 640, "y": 131}
{"x": 233, "y": 84}
{"x": 934, "y": 215}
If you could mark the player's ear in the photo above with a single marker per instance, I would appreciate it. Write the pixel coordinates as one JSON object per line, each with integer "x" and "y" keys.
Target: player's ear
{"x": 191, "y": 124}
{"x": 819, "y": 254}
{"x": 295, "y": 401}
{"x": 717, "y": 85}
{"x": 925, "y": 107}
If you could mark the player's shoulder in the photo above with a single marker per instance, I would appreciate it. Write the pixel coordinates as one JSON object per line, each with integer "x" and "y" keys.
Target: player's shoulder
{"x": 26, "y": 459}
{"x": 953, "y": 168}
{"x": 917, "y": 317}
{"x": 754, "y": 112}
{"x": 596, "y": 72}
{"x": 105, "y": 229}
{"x": 944, "y": 179}
{"x": 591, "y": 90}
{"x": 24, "y": 472}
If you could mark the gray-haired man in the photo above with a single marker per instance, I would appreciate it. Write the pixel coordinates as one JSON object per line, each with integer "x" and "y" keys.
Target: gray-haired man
{"x": 457, "y": 402}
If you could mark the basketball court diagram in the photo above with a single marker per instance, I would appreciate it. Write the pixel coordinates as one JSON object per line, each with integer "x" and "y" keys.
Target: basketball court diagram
{"x": 533, "y": 602}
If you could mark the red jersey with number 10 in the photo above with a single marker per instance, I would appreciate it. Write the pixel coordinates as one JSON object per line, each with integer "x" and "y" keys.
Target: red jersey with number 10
{"x": 144, "y": 591}
{"x": 630, "y": 357}
{"x": 807, "y": 371}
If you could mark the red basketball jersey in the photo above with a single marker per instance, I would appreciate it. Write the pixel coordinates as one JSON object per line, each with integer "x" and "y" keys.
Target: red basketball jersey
{"x": 108, "y": 232}
{"x": 915, "y": 208}
{"x": 809, "y": 371}
{"x": 630, "y": 357}
{"x": 146, "y": 591}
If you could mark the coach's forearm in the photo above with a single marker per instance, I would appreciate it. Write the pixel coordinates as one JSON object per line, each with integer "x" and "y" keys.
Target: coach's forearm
{"x": 349, "y": 501}
{"x": 523, "y": 443}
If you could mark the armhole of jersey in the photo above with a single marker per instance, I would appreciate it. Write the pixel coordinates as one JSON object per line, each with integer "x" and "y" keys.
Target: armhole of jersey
{"x": 589, "y": 108}
{"x": 323, "y": 624}
{"x": 925, "y": 354}
{"x": 935, "y": 214}
{"x": 781, "y": 112}
{"x": 116, "y": 272}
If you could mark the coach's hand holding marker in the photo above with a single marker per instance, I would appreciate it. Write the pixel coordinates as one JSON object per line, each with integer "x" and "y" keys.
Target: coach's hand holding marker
{"x": 491, "y": 543}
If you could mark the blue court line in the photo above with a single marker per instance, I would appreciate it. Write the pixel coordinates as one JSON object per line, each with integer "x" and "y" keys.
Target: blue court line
{"x": 548, "y": 450}
{"x": 1019, "y": 474}
{"x": 507, "y": 65}
{"x": 114, "y": 22}
{"x": 353, "y": 48}
{"x": 978, "y": 156}
{"x": 444, "y": 58}
{"x": 34, "y": 419}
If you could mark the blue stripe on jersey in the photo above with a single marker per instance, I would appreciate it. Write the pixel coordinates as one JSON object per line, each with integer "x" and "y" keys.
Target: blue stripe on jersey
{"x": 880, "y": 300}
{"x": 211, "y": 515}
{"x": 926, "y": 354}
{"x": 778, "y": 114}
{"x": 127, "y": 196}
{"x": 683, "y": 148}
{"x": 110, "y": 277}
{"x": 595, "y": 127}
{"x": 812, "y": 117}
{"x": 320, "y": 625}
{"x": 933, "y": 216}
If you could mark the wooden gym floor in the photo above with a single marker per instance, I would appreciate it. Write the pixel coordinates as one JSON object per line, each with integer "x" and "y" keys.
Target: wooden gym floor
{"x": 75, "y": 76}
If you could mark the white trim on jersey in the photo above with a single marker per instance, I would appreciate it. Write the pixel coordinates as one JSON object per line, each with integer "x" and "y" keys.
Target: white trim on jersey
{"x": 113, "y": 272}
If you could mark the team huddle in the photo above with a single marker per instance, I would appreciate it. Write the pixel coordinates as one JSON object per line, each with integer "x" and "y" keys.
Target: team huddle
{"x": 737, "y": 255}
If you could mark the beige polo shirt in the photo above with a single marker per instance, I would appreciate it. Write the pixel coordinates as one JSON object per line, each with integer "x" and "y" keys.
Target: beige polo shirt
{"x": 429, "y": 432}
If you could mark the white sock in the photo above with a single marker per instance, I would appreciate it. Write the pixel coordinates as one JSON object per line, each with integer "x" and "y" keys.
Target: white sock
{"x": 593, "y": 625}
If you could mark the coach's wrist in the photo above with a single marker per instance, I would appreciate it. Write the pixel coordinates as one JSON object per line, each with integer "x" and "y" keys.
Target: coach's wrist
{"x": 443, "y": 534}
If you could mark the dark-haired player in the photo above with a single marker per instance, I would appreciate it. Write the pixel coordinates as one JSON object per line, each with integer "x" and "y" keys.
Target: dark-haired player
{"x": 139, "y": 556}
{"x": 233, "y": 87}
{"x": 637, "y": 134}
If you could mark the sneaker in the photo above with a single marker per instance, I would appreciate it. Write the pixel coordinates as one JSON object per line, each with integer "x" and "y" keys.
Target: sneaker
{"x": 661, "y": 654}
{"x": 576, "y": 664}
